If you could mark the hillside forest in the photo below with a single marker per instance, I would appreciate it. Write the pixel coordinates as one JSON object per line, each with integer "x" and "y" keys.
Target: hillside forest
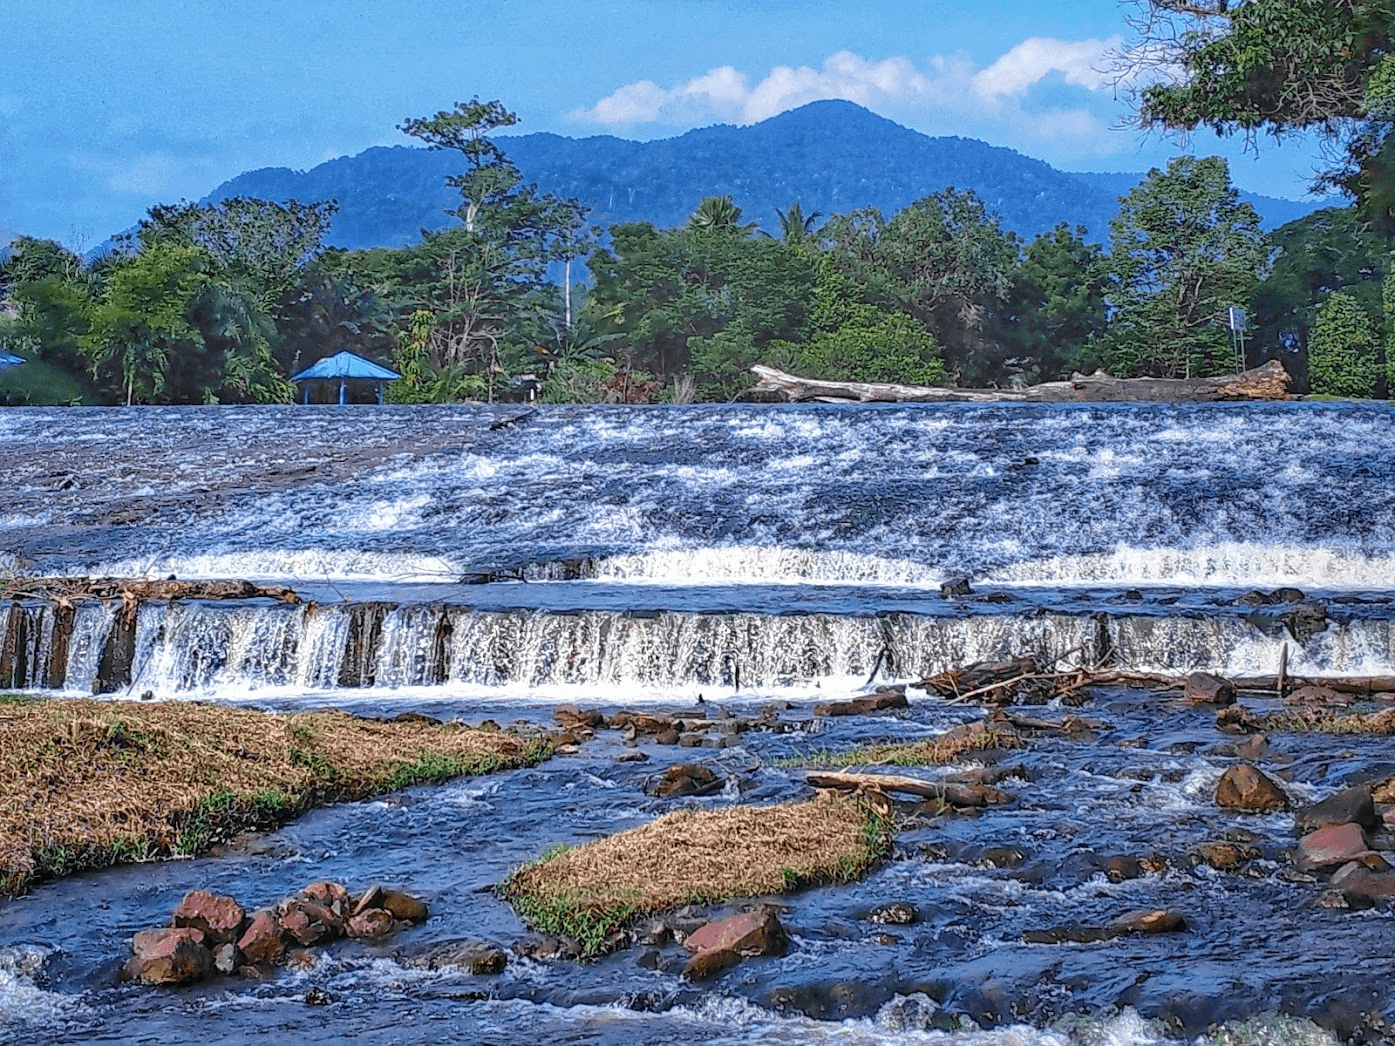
{"x": 223, "y": 302}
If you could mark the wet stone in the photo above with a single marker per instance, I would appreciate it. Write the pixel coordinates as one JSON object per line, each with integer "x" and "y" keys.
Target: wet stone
{"x": 262, "y": 940}
{"x": 683, "y": 780}
{"x": 1330, "y": 847}
{"x": 218, "y": 917}
{"x": 897, "y": 913}
{"x": 1349, "y": 806}
{"x": 1206, "y": 689}
{"x": 1243, "y": 787}
{"x": 371, "y": 922}
{"x": 170, "y": 956}
{"x": 1224, "y": 857}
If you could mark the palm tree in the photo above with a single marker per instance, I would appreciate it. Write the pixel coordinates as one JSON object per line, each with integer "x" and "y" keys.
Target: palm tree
{"x": 719, "y": 213}
{"x": 795, "y": 226}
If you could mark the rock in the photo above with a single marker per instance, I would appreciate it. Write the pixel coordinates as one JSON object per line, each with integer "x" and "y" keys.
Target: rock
{"x": 1002, "y": 857}
{"x": 569, "y": 717}
{"x": 684, "y": 779}
{"x": 1329, "y": 847}
{"x": 331, "y": 895}
{"x": 1316, "y": 694}
{"x": 226, "y": 958}
{"x": 633, "y": 755}
{"x": 667, "y": 737}
{"x": 1362, "y": 882}
{"x": 641, "y": 722}
{"x": 308, "y": 923}
{"x": 1224, "y": 857}
{"x": 403, "y": 906}
{"x": 880, "y": 701}
{"x": 691, "y": 739}
{"x": 1287, "y": 595}
{"x": 476, "y": 957}
{"x": 751, "y": 933}
{"x": 169, "y": 956}
{"x": 710, "y": 963}
{"x": 1206, "y": 689}
{"x": 897, "y": 913}
{"x": 1244, "y": 788}
{"x": 654, "y": 932}
{"x": 219, "y": 918}
{"x": 1118, "y": 869}
{"x": 1150, "y": 921}
{"x": 1237, "y": 719}
{"x": 1255, "y": 747}
{"x": 262, "y": 941}
{"x": 317, "y": 996}
{"x": 1349, "y": 806}
{"x": 371, "y": 922}
{"x": 1305, "y": 621}
{"x": 956, "y": 587}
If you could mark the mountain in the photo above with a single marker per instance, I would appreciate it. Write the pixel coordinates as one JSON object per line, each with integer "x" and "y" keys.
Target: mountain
{"x": 831, "y": 156}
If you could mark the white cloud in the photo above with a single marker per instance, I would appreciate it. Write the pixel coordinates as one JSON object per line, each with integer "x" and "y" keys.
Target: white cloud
{"x": 945, "y": 94}
{"x": 1026, "y": 65}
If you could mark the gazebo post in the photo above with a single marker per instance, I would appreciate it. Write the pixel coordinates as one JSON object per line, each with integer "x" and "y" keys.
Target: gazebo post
{"x": 343, "y": 392}
{"x": 380, "y": 393}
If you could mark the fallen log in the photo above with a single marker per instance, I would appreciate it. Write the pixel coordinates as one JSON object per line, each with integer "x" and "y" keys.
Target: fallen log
{"x": 966, "y": 796}
{"x": 1267, "y": 382}
{"x": 64, "y": 591}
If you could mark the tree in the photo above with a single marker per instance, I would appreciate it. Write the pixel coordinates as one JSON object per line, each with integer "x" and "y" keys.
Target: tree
{"x": 486, "y": 282}
{"x": 1056, "y": 308}
{"x": 719, "y": 214}
{"x": 795, "y": 225}
{"x": 1183, "y": 249}
{"x": 1281, "y": 66}
{"x": 1342, "y": 354}
{"x": 141, "y": 321}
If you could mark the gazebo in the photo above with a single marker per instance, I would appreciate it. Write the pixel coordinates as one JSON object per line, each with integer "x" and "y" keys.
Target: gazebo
{"x": 344, "y": 367}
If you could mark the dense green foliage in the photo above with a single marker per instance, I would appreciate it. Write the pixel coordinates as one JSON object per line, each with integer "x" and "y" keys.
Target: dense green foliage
{"x": 1281, "y": 66}
{"x": 222, "y": 303}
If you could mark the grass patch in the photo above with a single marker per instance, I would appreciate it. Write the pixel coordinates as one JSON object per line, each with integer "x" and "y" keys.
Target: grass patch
{"x": 696, "y": 857}
{"x": 941, "y": 751}
{"x": 1374, "y": 724}
{"x": 94, "y": 783}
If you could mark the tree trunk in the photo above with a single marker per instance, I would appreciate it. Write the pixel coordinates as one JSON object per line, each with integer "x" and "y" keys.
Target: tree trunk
{"x": 1267, "y": 382}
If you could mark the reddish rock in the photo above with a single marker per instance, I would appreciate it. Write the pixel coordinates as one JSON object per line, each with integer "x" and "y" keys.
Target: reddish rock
{"x": 263, "y": 940}
{"x": 1150, "y": 921}
{"x": 1206, "y": 689}
{"x": 1349, "y": 806}
{"x": 371, "y": 922}
{"x": 1331, "y": 846}
{"x": 219, "y": 918}
{"x": 1224, "y": 857}
{"x": 404, "y": 906}
{"x": 684, "y": 779}
{"x": 751, "y": 933}
{"x": 569, "y": 717}
{"x": 307, "y": 922}
{"x": 1253, "y": 748}
{"x": 1362, "y": 882}
{"x": 667, "y": 737}
{"x": 708, "y": 964}
{"x": 370, "y": 898}
{"x": 332, "y": 895}
{"x": 882, "y": 700}
{"x": 1244, "y": 788}
{"x": 170, "y": 956}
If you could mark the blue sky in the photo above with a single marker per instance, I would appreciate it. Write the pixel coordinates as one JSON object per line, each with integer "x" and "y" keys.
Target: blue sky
{"x": 107, "y": 108}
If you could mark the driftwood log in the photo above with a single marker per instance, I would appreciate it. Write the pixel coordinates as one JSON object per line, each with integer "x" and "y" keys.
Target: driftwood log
{"x": 1267, "y": 382}
{"x": 64, "y": 591}
{"x": 966, "y": 796}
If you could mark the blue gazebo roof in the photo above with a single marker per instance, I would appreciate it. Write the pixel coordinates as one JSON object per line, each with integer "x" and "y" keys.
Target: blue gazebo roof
{"x": 346, "y": 365}
{"x": 9, "y": 360}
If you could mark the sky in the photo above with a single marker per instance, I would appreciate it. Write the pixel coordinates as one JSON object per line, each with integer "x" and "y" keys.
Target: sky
{"x": 108, "y": 108}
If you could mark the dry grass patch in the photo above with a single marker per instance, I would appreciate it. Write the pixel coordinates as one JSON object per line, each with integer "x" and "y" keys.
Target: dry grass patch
{"x": 945, "y": 750}
{"x": 91, "y": 783}
{"x": 1374, "y": 724}
{"x": 589, "y": 892}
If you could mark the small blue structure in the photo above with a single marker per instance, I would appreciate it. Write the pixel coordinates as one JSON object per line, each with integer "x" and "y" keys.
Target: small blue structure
{"x": 344, "y": 367}
{"x": 10, "y": 360}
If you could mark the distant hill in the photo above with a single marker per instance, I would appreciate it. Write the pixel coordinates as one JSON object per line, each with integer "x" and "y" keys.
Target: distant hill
{"x": 831, "y": 156}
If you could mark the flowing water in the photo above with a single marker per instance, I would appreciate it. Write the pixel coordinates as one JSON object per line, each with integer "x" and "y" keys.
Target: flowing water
{"x": 629, "y": 557}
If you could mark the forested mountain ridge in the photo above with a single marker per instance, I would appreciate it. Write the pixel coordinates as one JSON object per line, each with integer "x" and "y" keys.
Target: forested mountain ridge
{"x": 831, "y": 156}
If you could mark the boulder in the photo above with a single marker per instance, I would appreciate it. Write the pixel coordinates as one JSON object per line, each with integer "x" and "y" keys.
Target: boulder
{"x": 954, "y": 588}
{"x": 219, "y": 918}
{"x": 331, "y": 895}
{"x": 1118, "y": 869}
{"x": 1206, "y": 689}
{"x": 1349, "y": 806}
{"x": 684, "y": 779}
{"x": 1330, "y": 847}
{"x": 475, "y": 957}
{"x": 263, "y": 940}
{"x": 308, "y": 923}
{"x": 1223, "y": 856}
{"x": 404, "y": 906}
{"x": 705, "y": 965}
{"x": 569, "y": 717}
{"x": 1305, "y": 621}
{"x": 1242, "y": 787}
{"x": 1237, "y": 719}
{"x": 1150, "y": 921}
{"x": 371, "y": 922}
{"x": 1364, "y": 883}
{"x": 169, "y": 956}
{"x": 881, "y": 701}
{"x": 751, "y": 933}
